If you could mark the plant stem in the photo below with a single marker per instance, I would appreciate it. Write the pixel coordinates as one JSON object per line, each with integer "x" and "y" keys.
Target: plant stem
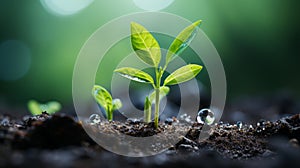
{"x": 109, "y": 115}
{"x": 147, "y": 117}
{"x": 156, "y": 114}
{"x": 147, "y": 111}
{"x": 156, "y": 107}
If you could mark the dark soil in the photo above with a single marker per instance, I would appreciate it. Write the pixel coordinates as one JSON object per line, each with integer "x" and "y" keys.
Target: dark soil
{"x": 60, "y": 141}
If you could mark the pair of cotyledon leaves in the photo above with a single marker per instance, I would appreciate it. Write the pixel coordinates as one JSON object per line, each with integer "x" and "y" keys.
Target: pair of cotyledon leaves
{"x": 148, "y": 50}
{"x": 103, "y": 97}
{"x": 37, "y": 108}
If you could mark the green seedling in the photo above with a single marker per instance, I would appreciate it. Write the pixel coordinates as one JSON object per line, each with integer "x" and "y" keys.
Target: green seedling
{"x": 37, "y": 108}
{"x": 147, "y": 110}
{"x": 148, "y": 50}
{"x": 105, "y": 100}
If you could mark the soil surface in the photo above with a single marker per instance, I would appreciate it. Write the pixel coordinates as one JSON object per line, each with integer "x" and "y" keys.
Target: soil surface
{"x": 61, "y": 141}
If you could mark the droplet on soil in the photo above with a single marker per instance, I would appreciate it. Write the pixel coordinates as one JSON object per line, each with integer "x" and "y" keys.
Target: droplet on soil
{"x": 250, "y": 127}
{"x": 169, "y": 121}
{"x": 262, "y": 122}
{"x": 205, "y": 116}
{"x": 133, "y": 120}
{"x": 294, "y": 143}
{"x": 186, "y": 118}
{"x": 239, "y": 124}
{"x": 5, "y": 122}
{"x": 95, "y": 119}
{"x": 258, "y": 129}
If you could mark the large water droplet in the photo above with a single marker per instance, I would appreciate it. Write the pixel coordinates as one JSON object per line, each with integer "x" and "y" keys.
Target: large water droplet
{"x": 205, "y": 116}
{"x": 95, "y": 119}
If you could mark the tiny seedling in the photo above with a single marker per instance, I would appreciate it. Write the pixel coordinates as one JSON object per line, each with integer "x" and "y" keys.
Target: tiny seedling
{"x": 37, "y": 108}
{"x": 105, "y": 100}
{"x": 148, "y": 50}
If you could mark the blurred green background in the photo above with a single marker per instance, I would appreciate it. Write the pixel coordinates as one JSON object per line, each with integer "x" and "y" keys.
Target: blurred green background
{"x": 258, "y": 41}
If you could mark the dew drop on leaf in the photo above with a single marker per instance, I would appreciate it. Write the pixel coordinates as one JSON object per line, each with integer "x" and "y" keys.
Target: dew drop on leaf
{"x": 186, "y": 43}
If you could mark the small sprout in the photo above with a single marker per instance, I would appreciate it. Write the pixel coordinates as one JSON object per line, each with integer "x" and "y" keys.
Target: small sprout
{"x": 147, "y": 110}
{"x": 149, "y": 100}
{"x": 163, "y": 92}
{"x": 104, "y": 99}
{"x": 36, "y": 108}
{"x": 148, "y": 50}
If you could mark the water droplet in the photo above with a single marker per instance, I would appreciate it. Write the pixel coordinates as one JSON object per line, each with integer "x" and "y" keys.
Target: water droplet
{"x": 186, "y": 43}
{"x": 258, "y": 129}
{"x": 239, "y": 124}
{"x": 169, "y": 121}
{"x": 262, "y": 122}
{"x": 186, "y": 118}
{"x": 5, "y": 122}
{"x": 95, "y": 119}
{"x": 133, "y": 120}
{"x": 205, "y": 116}
{"x": 250, "y": 127}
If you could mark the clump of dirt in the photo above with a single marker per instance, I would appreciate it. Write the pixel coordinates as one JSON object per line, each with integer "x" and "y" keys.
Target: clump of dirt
{"x": 43, "y": 131}
{"x": 235, "y": 141}
{"x": 240, "y": 141}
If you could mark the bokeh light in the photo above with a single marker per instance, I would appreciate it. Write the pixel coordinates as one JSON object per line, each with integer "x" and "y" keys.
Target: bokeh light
{"x": 15, "y": 60}
{"x": 153, "y": 5}
{"x": 65, "y": 7}
{"x": 257, "y": 40}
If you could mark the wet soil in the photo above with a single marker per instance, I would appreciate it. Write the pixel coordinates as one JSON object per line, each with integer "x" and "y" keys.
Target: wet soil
{"x": 61, "y": 141}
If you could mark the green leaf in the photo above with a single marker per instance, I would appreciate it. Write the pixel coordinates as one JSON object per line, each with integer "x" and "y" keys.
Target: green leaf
{"x": 135, "y": 75}
{"x": 116, "y": 104}
{"x": 163, "y": 91}
{"x": 34, "y": 107}
{"x": 182, "y": 41}
{"x": 183, "y": 74}
{"x": 145, "y": 45}
{"x": 52, "y": 107}
{"x": 102, "y": 97}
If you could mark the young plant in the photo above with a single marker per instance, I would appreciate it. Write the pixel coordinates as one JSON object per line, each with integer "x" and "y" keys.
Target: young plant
{"x": 36, "y": 108}
{"x": 148, "y": 50}
{"x": 163, "y": 91}
{"x": 105, "y": 100}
